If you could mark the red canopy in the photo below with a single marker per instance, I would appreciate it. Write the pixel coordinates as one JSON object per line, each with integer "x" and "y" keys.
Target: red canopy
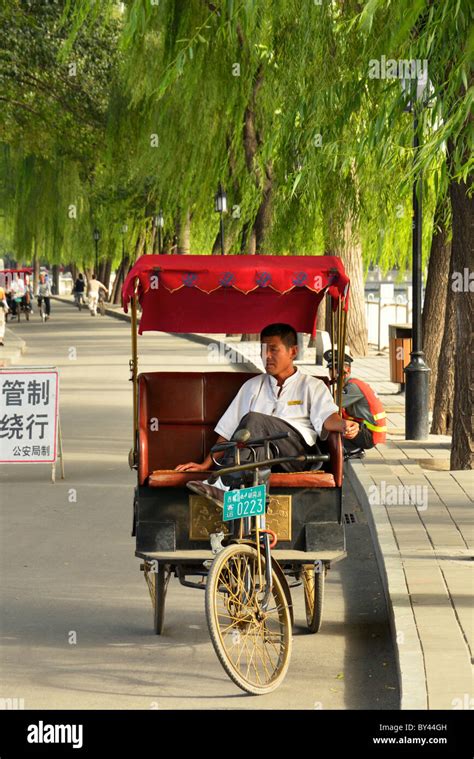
{"x": 183, "y": 293}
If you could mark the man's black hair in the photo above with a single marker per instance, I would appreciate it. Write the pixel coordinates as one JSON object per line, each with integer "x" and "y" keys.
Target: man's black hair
{"x": 286, "y": 332}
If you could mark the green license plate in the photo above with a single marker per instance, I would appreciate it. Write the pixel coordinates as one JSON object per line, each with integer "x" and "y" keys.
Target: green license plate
{"x": 247, "y": 502}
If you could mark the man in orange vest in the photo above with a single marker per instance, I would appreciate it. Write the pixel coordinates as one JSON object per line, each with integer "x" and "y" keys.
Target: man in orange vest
{"x": 360, "y": 404}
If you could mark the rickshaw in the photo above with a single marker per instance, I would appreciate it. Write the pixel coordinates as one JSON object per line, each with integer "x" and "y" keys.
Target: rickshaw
{"x": 19, "y": 304}
{"x": 286, "y": 529}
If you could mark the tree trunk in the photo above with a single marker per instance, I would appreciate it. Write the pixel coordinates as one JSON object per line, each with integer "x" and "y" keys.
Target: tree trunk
{"x": 107, "y": 272}
{"x": 262, "y": 220}
{"x": 36, "y": 265}
{"x": 462, "y": 205}
{"x": 184, "y": 234}
{"x": 434, "y": 306}
{"x": 101, "y": 273}
{"x": 116, "y": 296}
{"x": 444, "y": 391}
{"x": 351, "y": 256}
{"x": 56, "y": 279}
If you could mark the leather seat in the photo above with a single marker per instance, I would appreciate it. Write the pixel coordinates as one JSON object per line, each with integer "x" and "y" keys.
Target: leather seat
{"x": 166, "y": 478}
{"x": 177, "y": 415}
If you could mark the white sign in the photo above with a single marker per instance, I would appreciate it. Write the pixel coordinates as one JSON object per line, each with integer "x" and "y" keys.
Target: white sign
{"x": 28, "y": 415}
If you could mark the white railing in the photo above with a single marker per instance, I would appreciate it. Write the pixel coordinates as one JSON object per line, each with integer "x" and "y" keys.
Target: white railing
{"x": 380, "y": 313}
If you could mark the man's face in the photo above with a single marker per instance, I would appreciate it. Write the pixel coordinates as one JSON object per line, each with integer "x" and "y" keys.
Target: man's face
{"x": 346, "y": 372}
{"x": 276, "y": 357}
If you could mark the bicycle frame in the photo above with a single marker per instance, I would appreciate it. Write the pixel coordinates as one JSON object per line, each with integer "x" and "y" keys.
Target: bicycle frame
{"x": 244, "y": 524}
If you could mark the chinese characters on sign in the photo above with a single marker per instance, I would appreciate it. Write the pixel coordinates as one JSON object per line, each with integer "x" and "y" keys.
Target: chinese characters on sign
{"x": 28, "y": 415}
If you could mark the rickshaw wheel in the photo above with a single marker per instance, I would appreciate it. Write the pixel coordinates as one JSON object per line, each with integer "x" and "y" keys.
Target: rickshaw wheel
{"x": 158, "y": 584}
{"x": 313, "y": 584}
{"x": 253, "y": 645}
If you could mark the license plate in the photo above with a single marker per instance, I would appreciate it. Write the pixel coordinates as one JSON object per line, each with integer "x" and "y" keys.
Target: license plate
{"x": 247, "y": 502}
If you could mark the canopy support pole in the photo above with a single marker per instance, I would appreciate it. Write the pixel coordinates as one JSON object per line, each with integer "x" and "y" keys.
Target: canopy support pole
{"x": 341, "y": 349}
{"x": 133, "y": 457}
{"x": 333, "y": 386}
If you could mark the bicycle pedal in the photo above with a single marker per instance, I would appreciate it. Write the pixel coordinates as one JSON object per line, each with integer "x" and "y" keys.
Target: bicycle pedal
{"x": 216, "y": 539}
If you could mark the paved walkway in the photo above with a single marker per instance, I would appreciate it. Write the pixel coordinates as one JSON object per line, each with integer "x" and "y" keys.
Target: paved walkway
{"x": 421, "y": 517}
{"x": 12, "y": 348}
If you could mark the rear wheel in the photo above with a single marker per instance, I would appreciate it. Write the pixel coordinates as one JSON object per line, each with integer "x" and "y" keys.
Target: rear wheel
{"x": 252, "y": 644}
{"x": 313, "y": 584}
{"x": 157, "y": 579}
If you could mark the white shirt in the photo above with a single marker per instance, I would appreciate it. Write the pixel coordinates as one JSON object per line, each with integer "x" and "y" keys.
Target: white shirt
{"x": 304, "y": 402}
{"x": 95, "y": 286}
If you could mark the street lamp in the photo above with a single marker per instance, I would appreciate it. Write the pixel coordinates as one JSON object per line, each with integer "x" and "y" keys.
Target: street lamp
{"x": 158, "y": 222}
{"x": 416, "y": 372}
{"x": 220, "y": 206}
{"x": 96, "y": 239}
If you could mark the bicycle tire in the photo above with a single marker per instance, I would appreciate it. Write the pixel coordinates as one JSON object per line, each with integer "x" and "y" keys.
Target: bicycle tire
{"x": 313, "y": 585}
{"x": 248, "y": 627}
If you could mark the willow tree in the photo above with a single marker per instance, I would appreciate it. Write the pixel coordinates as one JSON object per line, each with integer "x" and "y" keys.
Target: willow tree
{"x": 52, "y": 126}
{"x": 441, "y": 35}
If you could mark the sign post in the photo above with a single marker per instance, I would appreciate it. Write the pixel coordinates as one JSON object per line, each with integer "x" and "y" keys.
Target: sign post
{"x": 30, "y": 430}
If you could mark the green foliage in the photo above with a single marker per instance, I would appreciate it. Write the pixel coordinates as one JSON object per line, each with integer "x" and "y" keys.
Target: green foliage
{"x": 155, "y": 118}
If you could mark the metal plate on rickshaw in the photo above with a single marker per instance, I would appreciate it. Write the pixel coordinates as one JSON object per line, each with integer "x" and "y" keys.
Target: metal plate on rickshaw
{"x": 205, "y": 517}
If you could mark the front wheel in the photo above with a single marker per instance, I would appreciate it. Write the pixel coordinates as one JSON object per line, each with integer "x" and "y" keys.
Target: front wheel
{"x": 252, "y": 644}
{"x": 313, "y": 584}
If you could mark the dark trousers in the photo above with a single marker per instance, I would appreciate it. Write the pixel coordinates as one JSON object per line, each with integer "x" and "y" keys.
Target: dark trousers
{"x": 260, "y": 425}
{"x": 47, "y": 303}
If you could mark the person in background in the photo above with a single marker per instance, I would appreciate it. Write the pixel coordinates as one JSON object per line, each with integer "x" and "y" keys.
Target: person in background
{"x": 3, "y": 312}
{"x": 28, "y": 296}
{"x": 16, "y": 291}
{"x": 360, "y": 404}
{"x": 44, "y": 294}
{"x": 94, "y": 287}
{"x": 79, "y": 287}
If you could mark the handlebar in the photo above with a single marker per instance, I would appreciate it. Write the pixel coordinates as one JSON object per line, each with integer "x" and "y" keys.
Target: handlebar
{"x": 248, "y": 443}
{"x": 303, "y": 457}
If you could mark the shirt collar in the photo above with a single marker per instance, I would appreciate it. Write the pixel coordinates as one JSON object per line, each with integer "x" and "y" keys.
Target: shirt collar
{"x": 288, "y": 381}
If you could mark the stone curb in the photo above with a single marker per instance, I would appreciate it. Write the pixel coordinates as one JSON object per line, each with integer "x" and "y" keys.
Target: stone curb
{"x": 408, "y": 651}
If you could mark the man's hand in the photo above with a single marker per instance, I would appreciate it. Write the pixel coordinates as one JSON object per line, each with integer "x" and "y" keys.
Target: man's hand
{"x": 352, "y": 429}
{"x": 191, "y": 466}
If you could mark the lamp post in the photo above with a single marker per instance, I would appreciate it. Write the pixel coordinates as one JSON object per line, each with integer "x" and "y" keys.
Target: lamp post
{"x": 220, "y": 206}
{"x": 416, "y": 372}
{"x": 96, "y": 240}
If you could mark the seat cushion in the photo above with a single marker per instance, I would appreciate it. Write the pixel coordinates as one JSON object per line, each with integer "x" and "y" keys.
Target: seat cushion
{"x": 169, "y": 478}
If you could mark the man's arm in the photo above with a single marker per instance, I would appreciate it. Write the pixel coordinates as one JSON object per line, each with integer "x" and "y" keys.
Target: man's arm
{"x": 334, "y": 423}
{"x": 191, "y": 466}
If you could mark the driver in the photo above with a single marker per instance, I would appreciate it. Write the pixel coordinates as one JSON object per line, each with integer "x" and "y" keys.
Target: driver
{"x": 283, "y": 399}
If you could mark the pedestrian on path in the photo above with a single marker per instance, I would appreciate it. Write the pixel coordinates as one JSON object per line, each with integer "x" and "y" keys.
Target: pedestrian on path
{"x": 3, "y": 312}
{"x": 360, "y": 404}
{"x": 79, "y": 287}
{"x": 94, "y": 287}
{"x": 44, "y": 294}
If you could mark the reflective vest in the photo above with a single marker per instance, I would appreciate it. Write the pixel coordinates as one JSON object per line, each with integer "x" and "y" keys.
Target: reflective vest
{"x": 376, "y": 422}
